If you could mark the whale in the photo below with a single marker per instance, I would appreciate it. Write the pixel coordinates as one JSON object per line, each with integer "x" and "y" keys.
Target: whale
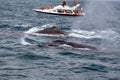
{"x": 61, "y": 43}
{"x": 52, "y": 30}
{"x": 58, "y": 43}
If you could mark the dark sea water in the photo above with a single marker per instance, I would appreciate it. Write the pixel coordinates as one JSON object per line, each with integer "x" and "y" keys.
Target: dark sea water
{"x": 21, "y": 59}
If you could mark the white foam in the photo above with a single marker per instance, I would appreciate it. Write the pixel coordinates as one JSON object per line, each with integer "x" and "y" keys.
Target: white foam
{"x": 22, "y": 25}
{"x": 35, "y": 29}
{"x": 65, "y": 45}
{"x": 84, "y": 32}
{"x": 108, "y": 34}
{"x": 102, "y": 34}
{"x": 84, "y": 49}
{"x": 23, "y": 42}
{"x": 47, "y": 25}
{"x": 82, "y": 36}
{"x": 48, "y": 35}
{"x": 32, "y": 30}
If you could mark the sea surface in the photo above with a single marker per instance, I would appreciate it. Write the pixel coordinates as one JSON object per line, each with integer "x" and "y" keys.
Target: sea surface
{"x": 22, "y": 59}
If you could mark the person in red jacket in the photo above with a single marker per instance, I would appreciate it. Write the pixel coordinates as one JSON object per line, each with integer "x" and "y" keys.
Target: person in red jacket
{"x": 75, "y": 2}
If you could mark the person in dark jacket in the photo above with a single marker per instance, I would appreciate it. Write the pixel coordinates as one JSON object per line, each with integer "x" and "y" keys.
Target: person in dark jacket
{"x": 64, "y": 3}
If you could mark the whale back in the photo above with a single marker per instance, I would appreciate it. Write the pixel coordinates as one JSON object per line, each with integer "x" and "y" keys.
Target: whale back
{"x": 51, "y": 30}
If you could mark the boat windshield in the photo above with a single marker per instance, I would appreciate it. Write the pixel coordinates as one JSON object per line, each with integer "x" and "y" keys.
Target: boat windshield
{"x": 60, "y": 10}
{"x": 64, "y": 11}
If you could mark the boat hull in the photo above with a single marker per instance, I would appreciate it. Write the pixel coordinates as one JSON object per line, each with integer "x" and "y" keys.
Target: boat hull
{"x": 56, "y": 13}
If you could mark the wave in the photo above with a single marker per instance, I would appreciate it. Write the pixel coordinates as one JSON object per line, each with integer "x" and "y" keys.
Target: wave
{"x": 47, "y": 35}
{"x": 24, "y": 42}
{"x": 35, "y": 29}
{"x": 32, "y": 56}
{"x": 5, "y": 26}
{"x": 22, "y": 25}
{"x": 32, "y": 30}
{"x": 13, "y": 75}
{"x": 96, "y": 67}
{"x": 109, "y": 35}
{"x": 102, "y": 34}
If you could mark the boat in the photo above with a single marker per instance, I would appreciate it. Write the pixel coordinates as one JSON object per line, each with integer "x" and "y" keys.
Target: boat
{"x": 62, "y": 10}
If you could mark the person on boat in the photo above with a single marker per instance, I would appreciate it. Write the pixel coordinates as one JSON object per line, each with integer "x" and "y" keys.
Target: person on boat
{"x": 75, "y": 2}
{"x": 64, "y": 3}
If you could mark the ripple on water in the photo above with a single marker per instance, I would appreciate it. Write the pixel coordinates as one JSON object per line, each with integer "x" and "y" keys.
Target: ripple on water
{"x": 86, "y": 68}
{"x": 79, "y": 55}
{"x": 12, "y": 76}
{"x": 4, "y": 26}
{"x": 2, "y": 63}
{"x": 31, "y": 56}
{"x": 96, "y": 67}
{"x": 69, "y": 54}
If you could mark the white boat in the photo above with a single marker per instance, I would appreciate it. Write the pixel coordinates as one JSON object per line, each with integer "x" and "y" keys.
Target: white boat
{"x": 62, "y": 10}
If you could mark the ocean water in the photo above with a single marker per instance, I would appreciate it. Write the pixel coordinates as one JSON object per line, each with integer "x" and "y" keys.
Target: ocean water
{"x": 22, "y": 59}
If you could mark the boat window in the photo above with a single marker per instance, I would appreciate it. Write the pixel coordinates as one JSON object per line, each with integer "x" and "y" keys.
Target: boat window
{"x": 54, "y": 10}
{"x": 68, "y": 11}
{"x": 60, "y": 11}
